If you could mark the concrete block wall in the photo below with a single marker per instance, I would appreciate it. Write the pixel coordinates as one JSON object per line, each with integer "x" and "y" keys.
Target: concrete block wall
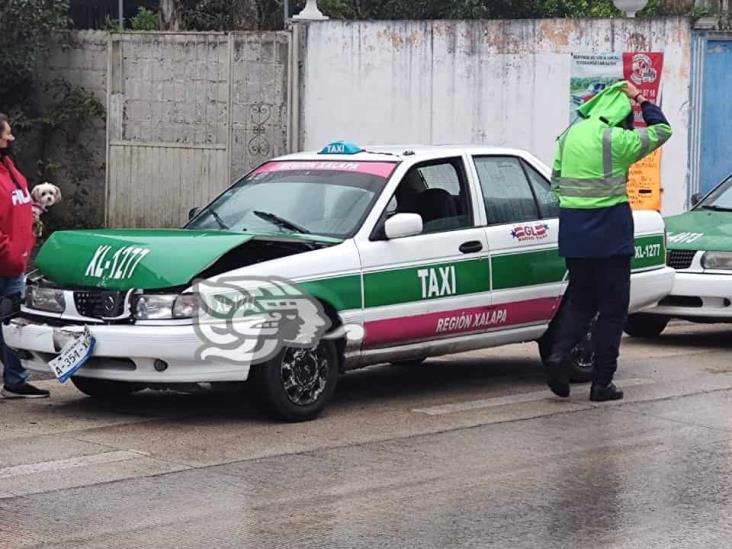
{"x": 259, "y": 82}
{"x": 175, "y": 88}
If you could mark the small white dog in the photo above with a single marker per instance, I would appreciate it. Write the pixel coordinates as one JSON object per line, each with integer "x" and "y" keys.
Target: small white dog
{"x": 44, "y": 196}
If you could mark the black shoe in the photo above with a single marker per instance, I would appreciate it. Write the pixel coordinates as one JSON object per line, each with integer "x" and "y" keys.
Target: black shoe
{"x": 24, "y": 391}
{"x": 598, "y": 393}
{"x": 557, "y": 376}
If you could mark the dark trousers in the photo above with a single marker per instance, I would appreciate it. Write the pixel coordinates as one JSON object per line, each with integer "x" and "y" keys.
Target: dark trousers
{"x": 596, "y": 285}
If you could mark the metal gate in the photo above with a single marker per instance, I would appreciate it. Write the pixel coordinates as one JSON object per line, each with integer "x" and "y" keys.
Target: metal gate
{"x": 187, "y": 114}
{"x": 711, "y": 125}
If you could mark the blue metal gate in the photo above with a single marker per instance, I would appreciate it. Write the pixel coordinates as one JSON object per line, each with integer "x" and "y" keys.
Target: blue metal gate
{"x": 711, "y": 126}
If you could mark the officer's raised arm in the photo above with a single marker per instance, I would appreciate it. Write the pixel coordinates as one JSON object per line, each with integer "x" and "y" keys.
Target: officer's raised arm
{"x": 633, "y": 145}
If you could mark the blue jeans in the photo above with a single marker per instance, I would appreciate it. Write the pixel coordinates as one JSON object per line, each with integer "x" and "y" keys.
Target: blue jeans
{"x": 14, "y": 374}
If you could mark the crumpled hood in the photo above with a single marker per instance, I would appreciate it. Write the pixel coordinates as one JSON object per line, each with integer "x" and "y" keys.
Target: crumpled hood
{"x": 700, "y": 230}
{"x": 611, "y": 104}
{"x": 126, "y": 259}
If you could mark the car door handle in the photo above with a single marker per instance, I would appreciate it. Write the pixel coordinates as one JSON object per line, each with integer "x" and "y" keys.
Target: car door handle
{"x": 471, "y": 247}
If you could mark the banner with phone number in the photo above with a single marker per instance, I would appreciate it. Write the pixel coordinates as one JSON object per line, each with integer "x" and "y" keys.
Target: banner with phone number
{"x": 591, "y": 73}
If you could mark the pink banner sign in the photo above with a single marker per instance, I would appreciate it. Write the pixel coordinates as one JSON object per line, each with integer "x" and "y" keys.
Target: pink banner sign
{"x": 379, "y": 169}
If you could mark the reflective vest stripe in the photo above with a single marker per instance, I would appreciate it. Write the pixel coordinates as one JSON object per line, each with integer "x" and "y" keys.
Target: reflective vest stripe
{"x": 592, "y": 188}
{"x": 663, "y": 133}
{"x": 645, "y": 139}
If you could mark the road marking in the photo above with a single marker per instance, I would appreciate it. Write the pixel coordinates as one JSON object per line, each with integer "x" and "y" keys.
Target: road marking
{"x": 71, "y": 463}
{"x": 506, "y": 400}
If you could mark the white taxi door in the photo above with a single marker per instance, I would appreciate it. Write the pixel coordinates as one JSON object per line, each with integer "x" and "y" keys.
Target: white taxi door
{"x": 435, "y": 284}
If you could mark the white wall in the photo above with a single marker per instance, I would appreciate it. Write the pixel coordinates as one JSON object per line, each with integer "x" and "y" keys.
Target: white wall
{"x": 491, "y": 82}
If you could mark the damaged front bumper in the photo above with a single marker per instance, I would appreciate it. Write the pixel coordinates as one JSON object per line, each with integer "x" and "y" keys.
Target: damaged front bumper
{"x": 132, "y": 353}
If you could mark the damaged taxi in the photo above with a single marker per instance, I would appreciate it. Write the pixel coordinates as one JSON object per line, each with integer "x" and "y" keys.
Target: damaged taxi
{"x": 348, "y": 257}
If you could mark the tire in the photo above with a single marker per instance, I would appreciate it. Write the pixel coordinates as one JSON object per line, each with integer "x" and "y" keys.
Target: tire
{"x": 581, "y": 361}
{"x": 645, "y": 325}
{"x": 298, "y": 383}
{"x": 104, "y": 388}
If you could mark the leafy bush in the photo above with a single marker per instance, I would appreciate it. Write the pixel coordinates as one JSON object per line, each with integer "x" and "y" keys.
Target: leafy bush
{"x": 145, "y": 20}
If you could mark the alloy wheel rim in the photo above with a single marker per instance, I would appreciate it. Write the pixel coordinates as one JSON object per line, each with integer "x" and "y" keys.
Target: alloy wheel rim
{"x": 304, "y": 375}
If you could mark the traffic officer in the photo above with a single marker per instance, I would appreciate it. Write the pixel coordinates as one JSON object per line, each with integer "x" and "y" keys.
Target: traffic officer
{"x": 590, "y": 177}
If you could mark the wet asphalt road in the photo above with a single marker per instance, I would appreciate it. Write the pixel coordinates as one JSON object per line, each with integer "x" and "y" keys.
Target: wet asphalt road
{"x": 467, "y": 451}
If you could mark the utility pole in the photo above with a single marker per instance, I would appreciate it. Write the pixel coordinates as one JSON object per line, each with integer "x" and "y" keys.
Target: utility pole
{"x": 121, "y": 7}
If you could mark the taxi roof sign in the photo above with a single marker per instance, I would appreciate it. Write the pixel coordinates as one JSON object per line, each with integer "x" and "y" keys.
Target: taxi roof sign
{"x": 341, "y": 147}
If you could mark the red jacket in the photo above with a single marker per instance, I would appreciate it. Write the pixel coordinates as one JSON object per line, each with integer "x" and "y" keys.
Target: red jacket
{"x": 16, "y": 220}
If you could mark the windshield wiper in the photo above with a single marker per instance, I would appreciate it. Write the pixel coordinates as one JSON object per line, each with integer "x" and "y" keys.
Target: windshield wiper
{"x": 281, "y": 222}
{"x": 716, "y": 208}
{"x": 218, "y": 219}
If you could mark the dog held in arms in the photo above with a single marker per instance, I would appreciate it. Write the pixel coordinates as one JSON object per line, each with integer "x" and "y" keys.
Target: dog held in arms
{"x": 44, "y": 196}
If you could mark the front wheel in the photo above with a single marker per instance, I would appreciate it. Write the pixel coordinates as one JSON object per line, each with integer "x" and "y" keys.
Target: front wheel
{"x": 104, "y": 388}
{"x": 645, "y": 325}
{"x": 297, "y": 384}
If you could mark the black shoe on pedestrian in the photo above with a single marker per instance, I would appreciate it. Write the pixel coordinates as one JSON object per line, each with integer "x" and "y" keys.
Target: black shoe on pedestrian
{"x": 598, "y": 393}
{"x": 557, "y": 376}
{"x": 23, "y": 391}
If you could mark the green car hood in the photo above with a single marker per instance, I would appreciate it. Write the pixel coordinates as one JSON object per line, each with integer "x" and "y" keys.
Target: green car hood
{"x": 611, "y": 103}
{"x": 700, "y": 230}
{"x": 144, "y": 259}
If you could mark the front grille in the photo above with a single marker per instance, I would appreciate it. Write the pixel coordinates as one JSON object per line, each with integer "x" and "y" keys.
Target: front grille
{"x": 680, "y": 259}
{"x": 99, "y": 303}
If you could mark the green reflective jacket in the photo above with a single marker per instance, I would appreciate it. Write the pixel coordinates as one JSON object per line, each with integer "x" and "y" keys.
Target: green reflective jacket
{"x": 594, "y": 155}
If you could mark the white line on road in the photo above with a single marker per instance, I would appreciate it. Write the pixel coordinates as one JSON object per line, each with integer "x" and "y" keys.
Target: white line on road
{"x": 61, "y": 464}
{"x": 505, "y": 400}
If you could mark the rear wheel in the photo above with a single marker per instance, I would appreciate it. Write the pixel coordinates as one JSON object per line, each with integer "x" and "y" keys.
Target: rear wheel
{"x": 581, "y": 361}
{"x": 298, "y": 383}
{"x": 104, "y": 388}
{"x": 645, "y": 325}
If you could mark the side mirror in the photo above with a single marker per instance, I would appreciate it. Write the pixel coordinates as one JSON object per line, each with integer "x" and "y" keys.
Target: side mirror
{"x": 193, "y": 212}
{"x": 696, "y": 198}
{"x": 402, "y": 225}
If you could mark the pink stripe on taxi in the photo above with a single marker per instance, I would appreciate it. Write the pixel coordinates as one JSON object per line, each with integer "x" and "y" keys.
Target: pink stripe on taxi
{"x": 460, "y": 321}
{"x": 380, "y": 169}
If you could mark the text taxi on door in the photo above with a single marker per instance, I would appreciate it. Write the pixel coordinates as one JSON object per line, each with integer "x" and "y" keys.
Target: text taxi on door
{"x": 311, "y": 265}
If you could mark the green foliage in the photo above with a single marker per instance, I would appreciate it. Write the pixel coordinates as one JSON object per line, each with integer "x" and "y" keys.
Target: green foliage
{"x": 46, "y": 118}
{"x": 222, "y": 15}
{"x": 110, "y": 24}
{"x": 62, "y": 134}
{"x": 466, "y": 9}
{"x": 145, "y": 20}
{"x": 25, "y": 30}
{"x": 267, "y": 14}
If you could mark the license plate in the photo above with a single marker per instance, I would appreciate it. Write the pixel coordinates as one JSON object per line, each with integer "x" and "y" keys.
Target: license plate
{"x": 73, "y": 356}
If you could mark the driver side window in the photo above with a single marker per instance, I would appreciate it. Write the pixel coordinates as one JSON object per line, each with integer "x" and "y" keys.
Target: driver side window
{"x": 438, "y": 192}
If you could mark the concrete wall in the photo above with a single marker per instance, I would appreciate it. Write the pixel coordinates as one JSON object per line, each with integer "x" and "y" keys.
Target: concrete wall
{"x": 490, "y": 82}
{"x": 188, "y": 113}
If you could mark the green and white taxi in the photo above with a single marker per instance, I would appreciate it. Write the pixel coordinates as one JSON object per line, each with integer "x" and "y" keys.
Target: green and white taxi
{"x": 409, "y": 253}
{"x": 700, "y": 249}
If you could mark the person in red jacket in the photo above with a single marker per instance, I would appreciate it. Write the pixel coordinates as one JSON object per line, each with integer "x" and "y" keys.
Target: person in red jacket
{"x": 16, "y": 242}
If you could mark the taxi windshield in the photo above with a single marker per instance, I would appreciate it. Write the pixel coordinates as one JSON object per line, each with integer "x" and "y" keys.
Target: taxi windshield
{"x": 719, "y": 199}
{"x": 323, "y": 198}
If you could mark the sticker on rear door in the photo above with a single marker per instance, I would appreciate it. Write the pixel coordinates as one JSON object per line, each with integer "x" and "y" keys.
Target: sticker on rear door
{"x": 536, "y": 231}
